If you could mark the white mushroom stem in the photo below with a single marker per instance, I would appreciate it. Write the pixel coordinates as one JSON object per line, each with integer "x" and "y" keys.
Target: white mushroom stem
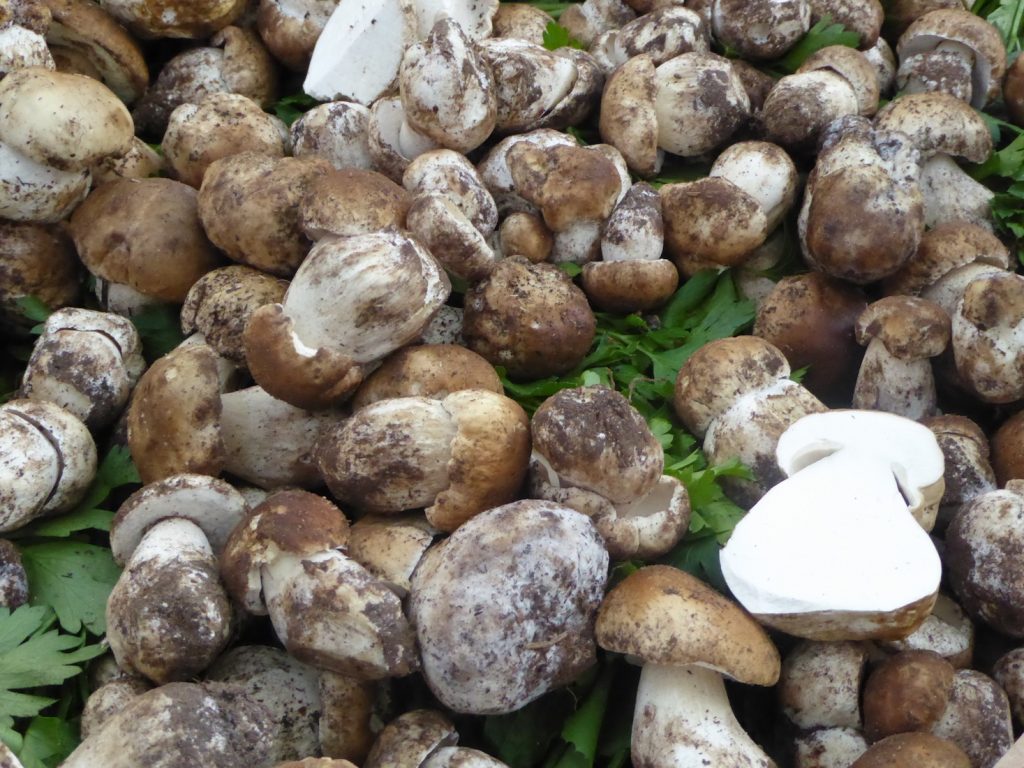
{"x": 951, "y": 195}
{"x": 887, "y": 383}
{"x": 683, "y": 718}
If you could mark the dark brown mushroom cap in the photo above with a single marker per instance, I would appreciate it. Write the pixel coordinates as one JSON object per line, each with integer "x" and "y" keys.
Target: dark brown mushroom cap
{"x": 410, "y": 738}
{"x": 630, "y": 286}
{"x": 907, "y": 692}
{"x": 144, "y": 233}
{"x": 913, "y": 750}
{"x": 721, "y": 372}
{"x": 83, "y": 29}
{"x": 221, "y": 302}
{"x": 529, "y": 318}
{"x": 428, "y": 370}
{"x": 811, "y": 319}
{"x": 594, "y": 439}
{"x": 1008, "y": 449}
{"x": 211, "y": 504}
{"x": 1013, "y": 91}
{"x": 662, "y": 615}
{"x": 909, "y": 327}
{"x": 710, "y": 223}
{"x": 943, "y": 249}
{"x": 352, "y": 201}
{"x": 35, "y": 260}
{"x": 287, "y": 522}
{"x": 628, "y": 119}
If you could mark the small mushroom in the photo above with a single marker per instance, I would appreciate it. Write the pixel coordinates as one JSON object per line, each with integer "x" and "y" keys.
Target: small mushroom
{"x": 393, "y": 142}
{"x": 947, "y": 632}
{"x": 820, "y": 684}
{"x": 168, "y": 616}
{"x": 452, "y": 175}
{"x": 38, "y": 261}
{"x": 390, "y": 547}
{"x": 828, "y": 748}
{"x": 913, "y": 750}
{"x": 908, "y": 692}
{"x": 109, "y": 699}
{"x": 687, "y": 636}
{"x": 977, "y": 718}
{"x": 861, "y": 16}
{"x": 290, "y": 29}
{"x": 478, "y": 656}
{"x": 337, "y": 132}
{"x": 1008, "y": 672}
{"x": 968, "y": 471}
{"x": 764, "y": 29}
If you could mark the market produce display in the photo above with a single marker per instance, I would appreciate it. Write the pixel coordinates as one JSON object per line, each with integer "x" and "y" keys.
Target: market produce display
{"x": 425, "y": 383}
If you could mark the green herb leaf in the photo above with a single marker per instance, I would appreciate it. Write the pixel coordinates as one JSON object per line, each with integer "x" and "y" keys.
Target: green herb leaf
{"x": 522, "y": 738}
{"x": 583, "y": 727}
{"x": 160, "y": 329}
{"x": 32, "y": 655}
{"x": 33, "y": 309}
{"x": 556, "y": 36}
{"x": 74, "y": 578}
{"x": 572, "y": 270}
{"x": 821, "y": 35}
{"x": 47, "y": 742}
{"x": 291, "y": 108}
{"x": 1006, "y": 16}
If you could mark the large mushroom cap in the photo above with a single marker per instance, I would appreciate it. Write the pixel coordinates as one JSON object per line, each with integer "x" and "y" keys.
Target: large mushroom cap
{"x": 909, "y": 327}
{"x": 665, "y": 616}
{"x": 938, "y": 123}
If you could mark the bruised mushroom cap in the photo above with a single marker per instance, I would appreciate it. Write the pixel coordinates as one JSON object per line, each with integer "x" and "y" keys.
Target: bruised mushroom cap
{"x": 352, "y": 201}
{"x": 913, "y": 750}
{"x": 353, "y": 301}
{"x": 594, "y": 439}
{"x": 146, "y": 234}
{"x": 910, "y": 328}
{"x": 220, "y": 303}
{"x": 287, "y": 523}
{"x": 478, "y": 657}
{"x": 67, "y": 122}
{"x": 983, "y": 554}
{"x": 211, "y": 504}
{"x": 938, "y": 123}
{"x": 700, "y": 102}
{"x": 290, "y": 29}
{"x": 183, "y": 724}
{"x": 410, "y": 738}
{"x": 709, "y": 383}
{"x": 429, "y": 370}
{"x": 83, "y": 31}
{"x": 908, "y": 692}
{"x": 942, "y": 250}
{"x": 174, "y": 416}
{"x": 249, "y": 207}
{"x": 629, "y": 120}
{"x": 220, "y": 125}
{"x": 664, "y": 616}
{"x": 962, "y": 27}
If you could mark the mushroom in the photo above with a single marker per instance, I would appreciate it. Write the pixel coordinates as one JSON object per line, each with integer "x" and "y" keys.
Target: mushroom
{"x": 977, "y": 718}
{"x": 861, "y": 16}
{"x": 820, "y": 684}
{"x": 589, "y": 19}
{"x": 353, "y": 301}
{"x": 13, "y": 579}
{"x": 109, "y": 699}
{"x": 141, "y": 161}
{"x": 450, "y": 174}
{"x": 180, "y": 725}
{"x": 38, "y": 261}
{"x": 353, "y": 202}
{"x": 497, "y": 176}
{"x": 168, "y": 616}
{"x": 878, "y": 471}
{"x": 759, "y": 30}
{"x": 456, "y": 456}
{"x": 337, "y": 132}
{"x": 410, "y": 739}
{"x": 1008, "y": 672}
{"x": 47, "y": 461}
{"x": 765, "y": 172}
{"x": 165, "y": 18}
{"x": 21, "y": 45}
{"x": 284, "y": 559}
{"x": 982, "y": 546}
{"x": 290, "y": 29}
{"x": 907, "y": 692}
{"x": 947, "y": 632}
{"x": 741, "y": 415}
{"x": 662, "y": 34}
{"x": 521, "y": 20}
{"x": 220, "y": 125}
{"x": 828, "y": 748}
{"x": 391, "y": 546}
{"x": 687, "y": 636}
{"x": 1008, "y": 449}
{"x": 913, "y": 750}
{"x": 901, "y": 333}
{"x": 494, "y": 639}
{"x": 968, "y": 471}
{"x": 393, "y": 142}
{"x": 86, "y": 362}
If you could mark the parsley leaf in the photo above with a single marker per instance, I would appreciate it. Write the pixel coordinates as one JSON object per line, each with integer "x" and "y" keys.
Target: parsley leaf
{"x": 1006, "y": 16}
{"x": 1008, "y": 205}
{"x": 821, "y": 35}
{"x": 160, "y": 328}
{"x": 291, "y": 108}
{"x": 47, "y": 742}
{"x": 72, "y": 577}
{"x": 556, "y": 36}
{"x": 582, "y": 728}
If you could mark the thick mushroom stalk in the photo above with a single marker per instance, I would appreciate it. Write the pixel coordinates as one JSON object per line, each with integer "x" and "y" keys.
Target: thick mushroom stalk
{"x": 820, "y": 570}
{"x": 683, "y": 719}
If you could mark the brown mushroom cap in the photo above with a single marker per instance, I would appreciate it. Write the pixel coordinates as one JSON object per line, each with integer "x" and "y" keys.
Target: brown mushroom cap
{"x": 429, "y": 370}
{"x": 1008, "y": 449}
{"x": 853, "y": 67}
{"x": 811, "y": 319}
{"x": 938, "y": 123}
{"x": 352, "y": 201}
{"x": 913, "y": 750}
{"x": 909, "y": 327}
{"x": 907, "y": 692}
{"x": 410, "y": 738}
{"x": 291, "y": 36}
{"x": 861, "y": 16}
{"x": 1013, "y": 91}
{"x": 628, "y": 120}
{"x": 144, "y": 233}
{"x": 35, "y": 260}
{"x": 666, "y": 616}
{"x": 630, "y": 286}
{"x": 390, "y": 547}
{"x": 943, "y": 249}
{"x": 174, "y": 18}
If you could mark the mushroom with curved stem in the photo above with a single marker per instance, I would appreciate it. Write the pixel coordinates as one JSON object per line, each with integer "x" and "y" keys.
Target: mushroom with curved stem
{"x": 687, "y": 636}
{"x": 877, "y": 469}
{"x": 168, "y": 616}
{"x": 901, "y": 334}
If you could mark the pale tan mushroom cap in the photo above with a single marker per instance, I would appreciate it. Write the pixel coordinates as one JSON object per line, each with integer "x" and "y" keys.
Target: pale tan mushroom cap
{"x": 69, "y": 122}
{"x": 665, "y": 616}
{"x": 174, "y": 416}
{"x": 352, "y": 201}
{"x": 176, "y": 18}
{"x": 909, "y": 327}
{"x": 853, "y": 67}
{"x": 629, "y": 121}
{"x": 943, "y": 249}
{"x": 938, "y": 123}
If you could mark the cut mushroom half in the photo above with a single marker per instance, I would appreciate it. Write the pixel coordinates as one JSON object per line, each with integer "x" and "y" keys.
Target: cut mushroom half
{"x": 831, "y": 553}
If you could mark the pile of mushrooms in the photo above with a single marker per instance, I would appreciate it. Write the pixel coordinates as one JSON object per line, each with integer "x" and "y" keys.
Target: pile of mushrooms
{"x": 338, "y": 494}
